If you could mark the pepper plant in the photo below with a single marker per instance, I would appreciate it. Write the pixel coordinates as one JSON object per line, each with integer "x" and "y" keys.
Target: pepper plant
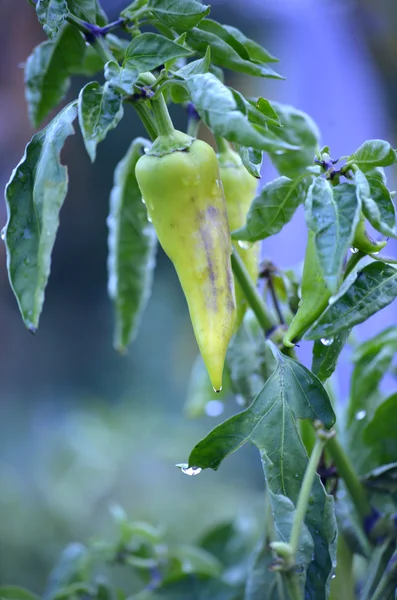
{"x": 330, "y": 504}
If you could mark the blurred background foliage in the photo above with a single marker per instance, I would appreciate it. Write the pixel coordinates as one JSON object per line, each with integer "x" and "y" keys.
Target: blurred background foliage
{"x": 82, "y": 428}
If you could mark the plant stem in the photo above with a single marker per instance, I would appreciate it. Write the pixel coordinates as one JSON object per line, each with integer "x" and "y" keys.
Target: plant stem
{"x": 292, "y": 584}
{"x": 222, "y": 144}
{"x": 164, "y": 123}
{"x": 254, "y": 299}
{"x": 387, "y": 584}
{"x": 349, "y": 476}
{"x": 102, "y": 48}
{"x": 275, "y": 299}
{"x": 304, "y": 494}
{"x": 146, "y": 117}
{"x": 94, "y": 36}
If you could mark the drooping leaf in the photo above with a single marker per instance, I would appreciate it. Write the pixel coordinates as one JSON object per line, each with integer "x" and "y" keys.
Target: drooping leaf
{"x": 100, "y": 109}
{"x": 218, "y": 109}
{"x": 274, "y": 206}
{"x": 252, "y": 160}
{"x": 132, "y": 247}
{"x": 380, "y": 433}
{"x": 249, "y": 359}
{"x": 371, "y": 361}
{"x": 66, "y": 571}
{"x": 255, "y": 51}
{"x": 291, "y": 393}
{"x": 223, "y": 50}
{"x": 373, "y": 289}
{"x": 51, "y": 15}
{"x": 34, "y": 197}
{"x": 332, "y": 213}
{"x": 299, "y": 130}
{"x": 13, "y": 592}
{"x": 373, "y": 153}
{"x": 180, "y": 15}
{"x": 325, "y": 356}
{"x": 47, "y": 71}
{"x": 150, "y": 50}
{"x": 379, "y": 208}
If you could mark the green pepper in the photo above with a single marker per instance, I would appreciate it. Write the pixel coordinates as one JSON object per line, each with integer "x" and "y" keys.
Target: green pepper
{"x": 180, "y": 184}
{"x": 363, "y": 242}
{"x": 314, "y": 295}
{"x": 240, "y": 190}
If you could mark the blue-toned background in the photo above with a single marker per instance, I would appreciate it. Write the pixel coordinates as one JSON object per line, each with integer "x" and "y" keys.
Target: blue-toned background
{"x": 82, "y": 428}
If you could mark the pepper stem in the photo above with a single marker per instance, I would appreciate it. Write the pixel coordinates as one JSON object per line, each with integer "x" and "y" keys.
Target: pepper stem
{"x": 164, "y": 123}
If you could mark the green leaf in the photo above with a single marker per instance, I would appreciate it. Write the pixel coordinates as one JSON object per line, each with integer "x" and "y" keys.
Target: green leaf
{"x": 34, "y": 196}
{"x": 132, "y": 248}
{"x": 88, "y": 10}
{"x": 218, "y": 109}
{"x": 13, "y": 592}
{"x": 252, "y": 160}
{"x": 66, "y": 571}
{"x": 196, "y": 67}
{"x": 200, "y": 391}
{"x": 267, "y": 110}
{"x": 374, "y": 288}
{"x": 197, "y": 588}
{"x": 122, "y": 79}
{"x": 100, "y": 110}
{"x": 232, "y": 543}
{"x": 223, "y": 53}
{"x": 291, "y": 393}
{"x": 325, "y": 356}
{"x": 272, "y": 209}
{"x": 379, "y": 208}
{"x": 255, "y": 51}
{"x": 47, "y": 72}
{"x": 332, "y": 213}
{"x": 249, "y": 359}
{"x": 180, "y": 15}
{"x": 92, "y": 63}
{"x": 51, "y": 15}
{"x": 371, "y": 359}
{"x": 382, "y": 479}
{"x": 373, "y": 153}
{"x": 196, "y": 560}
{"x": 150, "y": 50}
{"x": 299, "y": 130}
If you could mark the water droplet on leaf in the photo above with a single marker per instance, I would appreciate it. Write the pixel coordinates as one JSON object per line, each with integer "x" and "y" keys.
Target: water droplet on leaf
{"x": 353, "y": 250}
{"x": 327, "y": 341}
{"x": 191, "y": 471}
{"x": 3, "y": 233}
{"x": 244, "y": 245}
{"x": 360, "y": 415}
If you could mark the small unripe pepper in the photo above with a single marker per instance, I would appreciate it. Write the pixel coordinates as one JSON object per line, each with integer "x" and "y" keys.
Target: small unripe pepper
{"x": 240, "y": 190}
{"x": 314, "y": 295}
{"x": 363, "y": 242}
{"x": 180, "y": 184}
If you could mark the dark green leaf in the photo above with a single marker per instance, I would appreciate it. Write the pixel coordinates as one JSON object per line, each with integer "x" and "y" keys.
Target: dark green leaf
{"x": 100, "y": 110}
{"x": 51, "y": 14}
{"x": 252, "y": 160}
{"x": 92, "y": 63}
{"x": 249, "y": 359}
{"x": 255, "y": 51}
{"x": 47, "y": 71}
{"x": 225, "y": 55}
{"x": 380, "y": 433}
{"x": 232, "y": 542}
{"x": 325, "y": 356}
{"x": 150, "y": 50}
{"x": 88, "y": 10}
{"x": 13, "y": 592}
{"x": 218, "y": 109}
{"x": 200, "y": 391}
{"x": 272, "y": 208}
{"x": 221, "y": 32}
{"x": 197, "y": 588}
{"x": 197, "y": 560}
{"x": 132, "y": 247}
{"x": 34, "y": 197}
{"x": 297, "y": 129}
{"x": 67, "y": 570}
{"x": 373, "y": 153}
{"x": 379, "y": 208}
{"x": 180, "y": 15}
{"x": 267, "y": 110}
{"x": 332, "y": 213}
{"x": 291, "y": 393}
{"x": 374, "y": 288}
{"x": 372, "y": 359}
